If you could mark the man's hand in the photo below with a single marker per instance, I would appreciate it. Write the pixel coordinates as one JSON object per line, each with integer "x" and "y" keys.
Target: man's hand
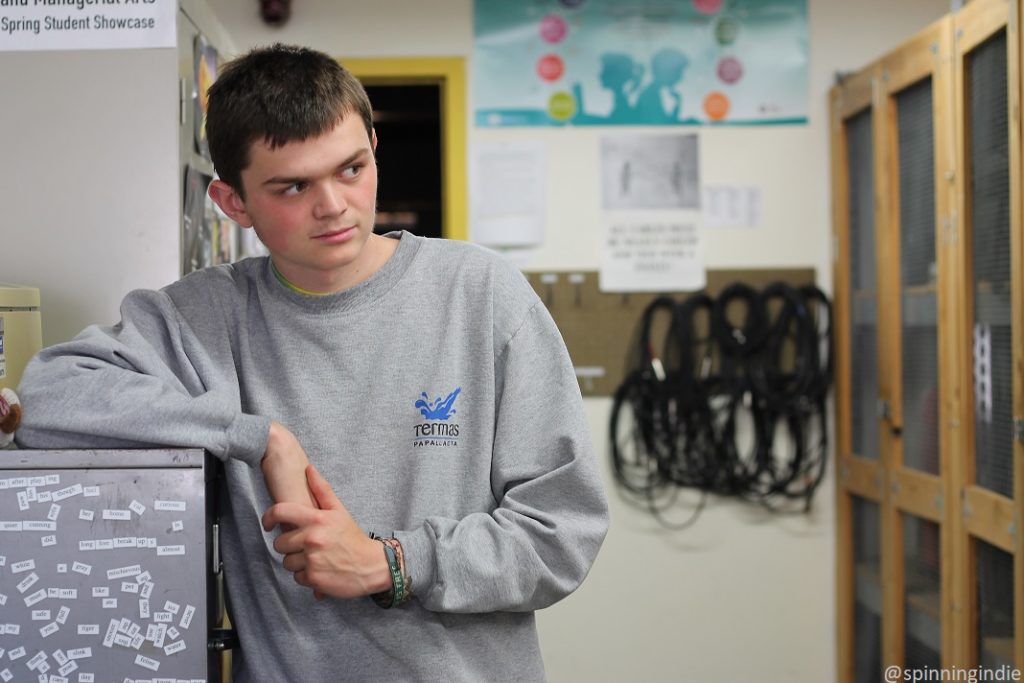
{"x": 325, "y": 549}
{"x": 284, "y": 468}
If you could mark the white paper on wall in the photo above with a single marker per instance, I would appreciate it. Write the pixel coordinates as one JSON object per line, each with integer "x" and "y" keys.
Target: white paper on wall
{"x": 732, "y": 206}
{"x": 507, "y": 193}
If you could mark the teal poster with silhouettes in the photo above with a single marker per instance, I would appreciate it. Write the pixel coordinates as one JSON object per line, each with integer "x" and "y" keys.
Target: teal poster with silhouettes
{"x": 639, "y": 62}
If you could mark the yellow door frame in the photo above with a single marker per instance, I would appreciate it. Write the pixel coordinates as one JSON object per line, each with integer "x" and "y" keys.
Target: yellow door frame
{"x": 449, "y": 73}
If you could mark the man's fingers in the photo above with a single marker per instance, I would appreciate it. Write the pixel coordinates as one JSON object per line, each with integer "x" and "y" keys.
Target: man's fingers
{"x": 295, "y": 562}
{"x": 294, "y": 514}
{"x": 322, "y": 491}
{"x": 289, "y": 542}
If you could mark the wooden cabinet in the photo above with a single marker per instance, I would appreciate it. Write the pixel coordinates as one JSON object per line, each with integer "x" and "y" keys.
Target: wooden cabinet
{"x": 929, "y": 365}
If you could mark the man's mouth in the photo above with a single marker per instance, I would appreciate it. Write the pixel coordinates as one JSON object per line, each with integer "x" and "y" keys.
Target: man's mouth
{"x": 335, "y": 234}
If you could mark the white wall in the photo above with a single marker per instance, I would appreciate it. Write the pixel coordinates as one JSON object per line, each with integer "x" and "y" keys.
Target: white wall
{"x": 88, "y": 171}
{"x": 88, "y": 178}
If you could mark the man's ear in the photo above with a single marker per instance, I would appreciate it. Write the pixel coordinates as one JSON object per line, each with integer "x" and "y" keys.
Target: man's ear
{"x": 230, "y": 202}
{"x": 373, "y": 138}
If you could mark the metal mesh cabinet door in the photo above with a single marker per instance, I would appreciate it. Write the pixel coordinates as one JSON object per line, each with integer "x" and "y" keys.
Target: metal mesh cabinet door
{"x": 994, "y": 608}
{"x": 988, "y": 138}
{"x": 922, "y": 589}
{"x": 862, "y": 302}
{"x": 867, "y": 618}
{"x": 918, "y": 274}
{"x": 858, "y": 437}
{"x": 990, "y": 563}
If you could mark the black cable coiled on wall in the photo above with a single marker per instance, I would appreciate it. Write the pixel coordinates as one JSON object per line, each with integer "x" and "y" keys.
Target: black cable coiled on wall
{"x": 734, "y": 405}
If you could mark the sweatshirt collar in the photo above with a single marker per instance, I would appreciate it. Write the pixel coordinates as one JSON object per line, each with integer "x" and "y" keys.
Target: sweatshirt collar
{"x": 369, "y": 290}
{"x": 295, "y": 288}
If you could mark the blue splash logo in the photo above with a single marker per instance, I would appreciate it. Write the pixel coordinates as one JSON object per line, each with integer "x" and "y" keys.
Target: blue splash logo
{"x": 437, "y": 430}
{"x": 439, "y": 409}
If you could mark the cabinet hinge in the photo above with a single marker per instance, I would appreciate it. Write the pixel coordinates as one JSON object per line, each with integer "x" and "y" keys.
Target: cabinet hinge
{"x": 882, "y": 408}
{"x": 1018, "y": 429}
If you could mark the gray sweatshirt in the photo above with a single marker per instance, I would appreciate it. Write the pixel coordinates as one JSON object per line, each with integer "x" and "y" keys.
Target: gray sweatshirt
{"x": 436, "y": 397}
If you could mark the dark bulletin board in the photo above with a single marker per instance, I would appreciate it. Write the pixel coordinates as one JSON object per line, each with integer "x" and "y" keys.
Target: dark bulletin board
{"x": 598, "y": 327}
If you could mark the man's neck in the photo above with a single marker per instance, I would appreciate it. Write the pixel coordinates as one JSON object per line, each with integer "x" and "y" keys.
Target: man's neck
{"x": 377, "y": 251}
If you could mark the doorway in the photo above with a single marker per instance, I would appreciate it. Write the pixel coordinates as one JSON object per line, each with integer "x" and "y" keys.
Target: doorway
{"x": 420, "y": 117}
{"x": 407, "y": 119}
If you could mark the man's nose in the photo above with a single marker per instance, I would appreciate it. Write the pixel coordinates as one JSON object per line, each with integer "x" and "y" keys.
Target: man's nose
{"x": 330, "y": 200}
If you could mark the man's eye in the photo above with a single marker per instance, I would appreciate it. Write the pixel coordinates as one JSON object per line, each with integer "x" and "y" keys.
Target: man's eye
{"x": 351, "y": 171}
{"x": 293, "y": 189}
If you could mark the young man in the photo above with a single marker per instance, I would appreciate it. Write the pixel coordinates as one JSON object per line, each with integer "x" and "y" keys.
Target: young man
{"x": 352, "y": 383}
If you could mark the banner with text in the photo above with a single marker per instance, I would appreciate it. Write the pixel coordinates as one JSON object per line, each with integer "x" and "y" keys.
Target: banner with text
{"x": 87, "y": 24}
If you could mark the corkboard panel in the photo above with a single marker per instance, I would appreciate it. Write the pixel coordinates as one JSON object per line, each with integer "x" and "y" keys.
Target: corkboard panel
{"x": 598, "y": 328}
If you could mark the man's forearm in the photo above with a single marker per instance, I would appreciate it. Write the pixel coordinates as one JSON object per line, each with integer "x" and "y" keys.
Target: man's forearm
{"x": 284, "y": 468}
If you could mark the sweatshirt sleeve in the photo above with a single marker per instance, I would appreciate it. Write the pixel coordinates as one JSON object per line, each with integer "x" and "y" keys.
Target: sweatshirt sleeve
{"x": 144, "y": 382}
{"x": 539, "y": 543}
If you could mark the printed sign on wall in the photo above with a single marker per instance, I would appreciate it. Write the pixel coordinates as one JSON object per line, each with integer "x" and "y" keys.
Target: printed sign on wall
{"x": 87, "y": 24}
{"x": 652, "y": 256}
{"x": 621, "y": 62}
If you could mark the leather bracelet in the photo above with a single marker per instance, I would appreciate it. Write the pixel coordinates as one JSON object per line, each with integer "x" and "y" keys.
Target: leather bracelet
{"x": 396, "y": 595}
{"x": 406, "y": 579}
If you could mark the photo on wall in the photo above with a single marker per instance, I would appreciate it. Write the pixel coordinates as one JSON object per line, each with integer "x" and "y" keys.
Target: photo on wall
{"x": 197, "y": 235}
{"x": 650, "y": 172}
{"x": 209, "y": 237}
{"x": 205, "y": 61}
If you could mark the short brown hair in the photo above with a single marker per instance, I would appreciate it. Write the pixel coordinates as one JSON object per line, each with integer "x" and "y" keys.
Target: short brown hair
{"x": 277, "y": 94}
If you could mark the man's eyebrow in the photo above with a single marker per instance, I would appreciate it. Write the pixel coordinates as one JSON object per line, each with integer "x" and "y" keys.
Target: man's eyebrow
{"x": 289, "y": 180}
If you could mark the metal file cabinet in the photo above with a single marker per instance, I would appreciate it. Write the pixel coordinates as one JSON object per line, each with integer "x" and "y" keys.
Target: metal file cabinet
{"x": 108, "y": 566}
